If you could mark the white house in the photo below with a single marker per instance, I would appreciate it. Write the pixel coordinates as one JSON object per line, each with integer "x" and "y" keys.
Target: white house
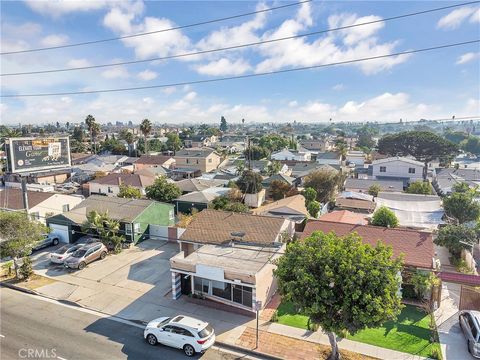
{"x": 398, "y": 167}
{"x": 300, "y": 155}
{"x": 329, "y": 158}
{"x": 109, "y": 185}
{"x": 40, "y": 204}
{"x": 356, "y": 157}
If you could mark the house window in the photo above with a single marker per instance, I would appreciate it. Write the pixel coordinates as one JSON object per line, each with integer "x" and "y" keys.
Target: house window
{"x": 171, "y": 215}
{"x": 128, "y": 229}
{"x": 383, "y": 169}
{"x": 35, "y": 215}
{"x": 188, "y": 161}
{"x": 209, "y": 160}
{"x": 411, "y": 170}
{"x": 110, "y": 190}
{"x": 136, "y": 228}
{"x": 66, "y": 208}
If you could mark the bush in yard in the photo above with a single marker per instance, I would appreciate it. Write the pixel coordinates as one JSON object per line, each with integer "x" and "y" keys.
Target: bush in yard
{"x": 384, "y": 217}
{"x": 313, "y": 208}
{"x": 451, "y": 237}
{"x": 309, "y": 194}
{"x": 420, "y": 187}
{"x": 26, "y": 269}
{"x": 462, "y": 206}
{"x": 374, "y": 190}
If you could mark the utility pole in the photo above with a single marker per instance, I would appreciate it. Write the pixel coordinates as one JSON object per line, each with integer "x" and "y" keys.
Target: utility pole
{"x": 24, "y": 193}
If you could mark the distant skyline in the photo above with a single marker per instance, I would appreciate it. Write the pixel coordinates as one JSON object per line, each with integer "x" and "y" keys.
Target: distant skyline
{"x": 429, "y": 85}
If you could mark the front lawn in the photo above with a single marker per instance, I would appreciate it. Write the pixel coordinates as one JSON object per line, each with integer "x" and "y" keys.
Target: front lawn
{"x": 410, "y": 333}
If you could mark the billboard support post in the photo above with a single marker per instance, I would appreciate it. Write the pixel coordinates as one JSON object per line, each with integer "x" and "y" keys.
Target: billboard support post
{"x": 24, "y": 193}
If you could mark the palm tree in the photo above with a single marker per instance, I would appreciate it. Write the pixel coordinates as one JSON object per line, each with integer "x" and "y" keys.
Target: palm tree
{"x": 129, "y": 138}
{"x": 6, "y": 132}
{"x": 146, "y": 129}
{"x": 90, "y": 122}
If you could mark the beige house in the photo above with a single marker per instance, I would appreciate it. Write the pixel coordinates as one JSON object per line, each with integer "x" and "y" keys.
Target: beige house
{"x": 203, "y": 159}
{"x": 153, "y": 161}
{"x": 109, "y": 185}
{"x": 227, "y": 257}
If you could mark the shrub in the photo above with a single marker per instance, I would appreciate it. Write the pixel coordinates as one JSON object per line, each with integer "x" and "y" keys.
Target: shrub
{"x": 374, "y": 190}
{"x": 385, "y": 217}
{"x": 274, "y": 317}
{"x": 26, "y": 269}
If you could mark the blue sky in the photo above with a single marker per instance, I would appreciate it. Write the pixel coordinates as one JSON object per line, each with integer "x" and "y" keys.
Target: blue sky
{"x": 431, "y": 85}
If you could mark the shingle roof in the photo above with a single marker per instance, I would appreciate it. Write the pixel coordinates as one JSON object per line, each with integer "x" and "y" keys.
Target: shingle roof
{"x": 12, "y": 198}
{"x": 303, "y": 169}
{"x": 153, "y": 159}
{"x": 196, "y": 184}
{"x": 194, "y": 152}
{"x": 398, "y": 158}
{"x": 355, "y": 204}
{"x": 328, "y": 155}
{"x": 118, "y": 179}
{"x": 296, "y": 203}
{"x": 416, "y": 245}
{"x": 213, "y": 226}
{"x": 364, "y": 184}
{"x": 281, "y": 177}
{"x": 345, "y": 217}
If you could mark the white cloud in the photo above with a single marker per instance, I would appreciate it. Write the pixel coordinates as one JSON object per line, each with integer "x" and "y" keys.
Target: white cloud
{"x": 190, "y": 96}
{"x": 169, "y": 90}
{"x": 224, "y": 66}
{"x": 147, "y": 75}
{"x": 117, "y": 72}
{"x": 355, "y": 34}
{"x": 467, "y": 57}
{"x": 455, "y": 18}
{"x": 54, "y": 40}
{"x": 293, "y": 103}
{"x": 57, "y": 8}
{"x": 338, "y": 87}
{"x": 78, "y": 63}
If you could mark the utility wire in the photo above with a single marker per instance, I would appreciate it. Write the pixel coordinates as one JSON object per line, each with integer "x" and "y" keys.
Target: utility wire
{"x": 160, "y": 31}
{"x": 196, "y": 82}
{"x": 233, "y": 47}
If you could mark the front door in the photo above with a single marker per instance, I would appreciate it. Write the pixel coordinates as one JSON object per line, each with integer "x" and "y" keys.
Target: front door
{"x": 186, "y": 284}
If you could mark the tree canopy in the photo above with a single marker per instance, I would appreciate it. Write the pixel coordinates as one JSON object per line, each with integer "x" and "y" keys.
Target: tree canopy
{"x": 255, "y": 152}
{"x": 250, "y": 182}
{"x": 420, "y": 187}
{"x": 471, "y": 145}
{"x": 374, "y": 190}
{"x": 273, "y": 142}
{"x": 462, "y": 206}
{"x": 384, "y": 217}
{"x": 162, "y": 190}
{"x": 223, "y": 124}
{"x": 340, "y": 283}
{"x": 129, "y": 192}
{"x": 279, "y": 189}
{"x": 325, "y": 183}
{"x": 451, "y": 237}
{"x": 173, "y": 142}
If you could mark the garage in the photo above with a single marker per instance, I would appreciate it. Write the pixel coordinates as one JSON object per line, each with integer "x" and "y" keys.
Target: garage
{"x": 61, "y": 231}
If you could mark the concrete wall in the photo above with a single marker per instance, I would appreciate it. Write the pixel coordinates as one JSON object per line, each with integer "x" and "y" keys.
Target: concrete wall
{"x": 266, "y": 284}
{"x": 255, "y": 200}
{"x": 398, "y": 169}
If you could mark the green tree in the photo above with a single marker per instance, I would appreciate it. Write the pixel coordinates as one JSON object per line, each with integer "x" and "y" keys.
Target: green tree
{"x": 273, "y": 168}
{"x": 93, "y": 129}
{"x": 129, "y": 192}
{"x": 424, "y": 146}
{"x": 78, "y": 134}
{"x": 384, "y": 217}
{"x": 223, "y": 124}
{"x": 256, "y": 152}
{"x": 225, "y": 203}
{"x": 107, "y": 229}
{"x": 250, "y": 182}
{"x": 313, "y": 208}
{"x": 325, "y": 183}
{"x": 461, "y": 187}
{"x": 451, "y": 237}
{"x": 374, "y": 190}
{"x": 26, "y": 269}
{"x": 162, "y": 190}
{"x": 129, "y": 138}
{"x": 273, "y": 142}
{"x": 173, "y": 142}
{"x": 309, "y": 194}
{"x": 420, "y": 187}
{"x": 279, "y": 189}
{"x": 462, "y": 207}
{"x": 19, "y": 235}
{"x": 471, "y": 145}
{"x": 365, "y": 136}
{"x": 146, "y": 129}
{"x": 316, "y": 276}
{"x": 455, "y": 136}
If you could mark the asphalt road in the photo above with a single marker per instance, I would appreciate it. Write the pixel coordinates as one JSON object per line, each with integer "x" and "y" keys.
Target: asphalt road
{"x": 33, "y": 328}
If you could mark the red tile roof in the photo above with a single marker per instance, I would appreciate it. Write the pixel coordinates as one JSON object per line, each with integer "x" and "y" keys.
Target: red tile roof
{"x": 344, "y": 216}
{"x": 417, "y": 246}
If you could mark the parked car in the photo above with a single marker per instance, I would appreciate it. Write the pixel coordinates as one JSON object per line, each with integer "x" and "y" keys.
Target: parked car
{"x": 64, "y": 252}
{"x": 85, "y": 255}
{"x": 181, "y": 332}
{"x": 87, "y": 239}
{"x": 470, "y": 323}
{"x": 47, "y": 240}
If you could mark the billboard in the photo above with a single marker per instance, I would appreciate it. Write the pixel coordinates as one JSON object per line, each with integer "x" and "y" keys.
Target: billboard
{"x": 36, "y": 154}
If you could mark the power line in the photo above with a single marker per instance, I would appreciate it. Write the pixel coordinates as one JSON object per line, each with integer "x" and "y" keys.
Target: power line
{"x": 195, "y": 53}
{"x": 159, "y": 31}
{"x": 196, "y": 82}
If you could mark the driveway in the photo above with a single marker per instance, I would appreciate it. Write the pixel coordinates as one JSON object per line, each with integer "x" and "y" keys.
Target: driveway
{"x": 134, "y": 285}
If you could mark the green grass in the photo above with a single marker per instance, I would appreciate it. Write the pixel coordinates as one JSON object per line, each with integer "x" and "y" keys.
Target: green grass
{"x": 410, "y": 333}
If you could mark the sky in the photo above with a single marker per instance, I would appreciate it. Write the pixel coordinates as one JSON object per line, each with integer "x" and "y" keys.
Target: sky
{"x": 430, "y": 85}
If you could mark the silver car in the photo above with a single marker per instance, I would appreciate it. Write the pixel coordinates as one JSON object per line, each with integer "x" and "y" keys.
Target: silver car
{"x": 470, "y": 324}
{"x": 85, "y": 255}
{"x": 64, "y": 252}
{"x": 47, "y": 240}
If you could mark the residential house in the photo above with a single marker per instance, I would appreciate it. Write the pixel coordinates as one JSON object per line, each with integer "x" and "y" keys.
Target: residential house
{"x": 292, "y": 155}
{"x": 292, "y": 208}
{"x": 198, "y": 184}
{"x": 413, "y": 210}
{"x": 344, "y": 217}
{"x": 416, "y": 246}
{"x": 362, "y": 185}
{"x": 198, "y": 199}
{"x": 445, "y": 179}
{"x": 278, "y": 177}
{"x": 41, "y": 205}
{"x": 402, "y": 168}
{"x": 356, "y": 157}
{"x": 109, "y": 185}
{"x": 227, "y": 258}
{"x": 203, "y": 159}
{"x": 139, "y": 218}
{"x": 329, "y": 158}
{"x": 356, "y": 202}
{"x": 315, "y": 145}
{"x": 199, "y": 141}
{"x": 154, "y": 161}
{"x": 302, "y": 170}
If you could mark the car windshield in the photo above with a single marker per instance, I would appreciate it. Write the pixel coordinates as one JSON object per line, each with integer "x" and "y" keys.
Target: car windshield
{"x": 164, "y": 322}
{"x": 63, "y": 249}
{"x": 206, "y": 332}
{"x": 79, "y": 253}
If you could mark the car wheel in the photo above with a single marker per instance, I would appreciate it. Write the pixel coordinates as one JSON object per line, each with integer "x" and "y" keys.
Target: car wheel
{"x": 55, "y": 242}
{"x": 81, "y": 266}
{"x": 103, "y": 255}
{"x": 152, "y": 339}
{"x": 189, "y": 350}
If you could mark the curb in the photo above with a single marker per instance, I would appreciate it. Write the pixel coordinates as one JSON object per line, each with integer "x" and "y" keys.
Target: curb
{"x": 18, "y": 288}
{"x": 255, "y": 353}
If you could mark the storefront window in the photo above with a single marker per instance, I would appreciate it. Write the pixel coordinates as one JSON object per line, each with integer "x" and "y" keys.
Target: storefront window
{"x": 201, "y": 285}
{"x": 236, "y": 293}
{"x": 242, "y": 295}
{"x": 221, "y": 289}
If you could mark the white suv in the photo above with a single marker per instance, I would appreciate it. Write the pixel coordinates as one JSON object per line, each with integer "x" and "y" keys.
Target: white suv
{"x": 181, "y": 332}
